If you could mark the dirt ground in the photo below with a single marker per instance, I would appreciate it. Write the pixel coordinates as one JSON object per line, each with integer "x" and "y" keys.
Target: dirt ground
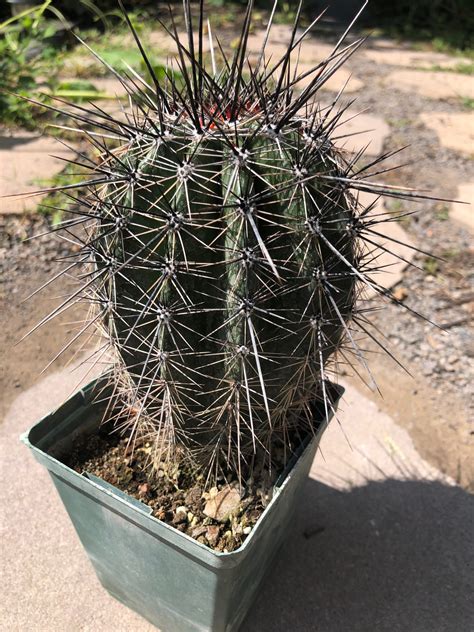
{"x": 25, "y": 267}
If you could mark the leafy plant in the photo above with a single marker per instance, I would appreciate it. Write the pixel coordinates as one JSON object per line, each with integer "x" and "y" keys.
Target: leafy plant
{"x": 25, "y": 55}
{"x": 31, "y": 59}
{"x": 461, "y": 68}
{"x": 442, "y": 212}
{"x": 430, "y": 265}
{"x": 448, "y": 24}
{"x": 467, "y": 103}
{"x": 223, "y": 249}
{"x": 79, "y": 90}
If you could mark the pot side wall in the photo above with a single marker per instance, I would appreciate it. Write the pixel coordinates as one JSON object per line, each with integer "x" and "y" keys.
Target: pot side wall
{"x": 171, "y": 580}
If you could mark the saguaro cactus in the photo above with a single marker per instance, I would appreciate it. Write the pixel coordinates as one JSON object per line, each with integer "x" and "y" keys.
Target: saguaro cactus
{"x": 225, "y": 236}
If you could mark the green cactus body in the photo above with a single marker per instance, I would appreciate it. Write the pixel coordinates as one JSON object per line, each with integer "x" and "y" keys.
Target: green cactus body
{"x": 225, "y": 294}
{"x": 227, "y": 247}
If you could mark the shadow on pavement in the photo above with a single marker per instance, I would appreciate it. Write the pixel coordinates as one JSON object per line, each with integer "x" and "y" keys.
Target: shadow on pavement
{"x": 8, "y": 143}
{"x": 389, "y": 556}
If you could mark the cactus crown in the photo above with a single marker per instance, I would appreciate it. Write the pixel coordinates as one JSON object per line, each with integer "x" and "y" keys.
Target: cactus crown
{"x": 223, "y": 247}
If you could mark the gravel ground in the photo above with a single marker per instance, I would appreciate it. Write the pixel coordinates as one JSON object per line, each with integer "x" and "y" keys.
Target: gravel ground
{"x": 442, "y": 290}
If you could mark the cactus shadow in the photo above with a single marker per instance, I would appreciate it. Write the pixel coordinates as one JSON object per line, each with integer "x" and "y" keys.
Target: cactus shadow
{"x": 8, "y": 143}
{"x": 391, "y": 555}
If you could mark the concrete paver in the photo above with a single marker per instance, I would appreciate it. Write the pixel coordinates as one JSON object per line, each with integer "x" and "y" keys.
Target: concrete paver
{"x": 361, "y": 131}
{"x": 434, "y": 85}
{"x": 334, "y": 83}
{"x": 110, "y": 86}
{"x": 395, "y": 56}
{"x": 454, "y": 130}
{"x": 51, "y": 585}
{"x": 310, "y": 51}
{"x": 26, "y": 161}
{"x": 307, "y": 55}
{"x": 391, "y": 250}
{"x": 464, "y": 213}
{"x": 161, "y": 41}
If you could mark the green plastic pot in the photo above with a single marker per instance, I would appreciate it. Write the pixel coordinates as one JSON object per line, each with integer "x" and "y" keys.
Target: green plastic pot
{"x": 171, "y": 580}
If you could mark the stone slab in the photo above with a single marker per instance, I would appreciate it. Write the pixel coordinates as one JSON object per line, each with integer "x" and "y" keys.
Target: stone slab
{"x": 51, "y": 584}
{"x": 454, "y": 130}
{"x": 356, "y": 499}
{"x": 394, "y": 239}
{"x": 110, "y": 86}
{"x": 26, "y": 162}
{"x": 463, "y": 214}
{"x": 434, "y": 85}
{"x": 381, "y": 43}
{"x": 365, "y": 444}
{"x": 117, "y": 105}
{"x": 395, "y": 56}
{"x": 311, "y": 52}
{"x": 162, "y": 41}
{"x": 359, "y": 130}
{"x": 342, "y": 77}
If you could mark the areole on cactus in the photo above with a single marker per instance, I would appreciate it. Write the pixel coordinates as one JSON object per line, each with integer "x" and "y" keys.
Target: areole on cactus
{"x": 223, "y": 249}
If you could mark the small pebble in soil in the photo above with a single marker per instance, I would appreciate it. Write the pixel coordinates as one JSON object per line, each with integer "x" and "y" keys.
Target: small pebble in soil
{"x": 221, "y": 517}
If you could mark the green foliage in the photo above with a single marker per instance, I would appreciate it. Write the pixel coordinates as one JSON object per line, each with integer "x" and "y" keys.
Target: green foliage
{"x": 430, "y": 265}
{"x": 461, "y": 68}
{"x": 78, "y": 90}
{"x": 31, "y": 57}
{"x": 26, "y": 59}
{"x": 286, "y": 13}
{"x": 448, "y": 24}
{"x": 442, "y": 212}
{"x": 121, "y": 57}
{"x": 467, "y": 103}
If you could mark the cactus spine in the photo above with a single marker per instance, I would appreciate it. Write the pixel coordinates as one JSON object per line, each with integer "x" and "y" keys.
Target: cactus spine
{"x": 226, "y": 236}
